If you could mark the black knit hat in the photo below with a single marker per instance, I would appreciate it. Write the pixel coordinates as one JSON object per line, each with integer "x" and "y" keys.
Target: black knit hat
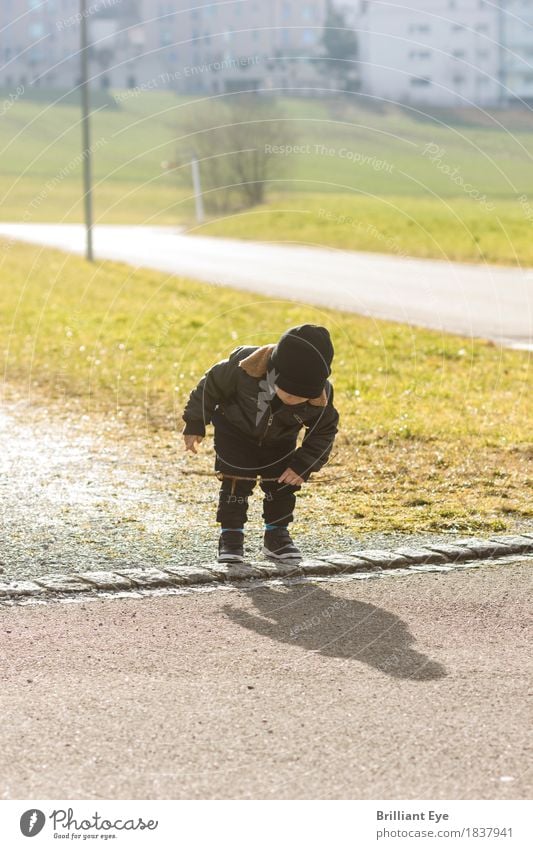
{"x": 302, "y": 360}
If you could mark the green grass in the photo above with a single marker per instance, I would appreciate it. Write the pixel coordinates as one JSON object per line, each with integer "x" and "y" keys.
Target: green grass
{"x": 404, "y": 226}
{"x": 400, "y": 201}
{"x": 435, "y": 429}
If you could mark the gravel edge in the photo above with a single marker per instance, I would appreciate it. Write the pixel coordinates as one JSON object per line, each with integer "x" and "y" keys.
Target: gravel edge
{"x": 363, "y": 564}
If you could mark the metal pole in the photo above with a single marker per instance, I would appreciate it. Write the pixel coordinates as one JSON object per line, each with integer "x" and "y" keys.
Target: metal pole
{"x": 86, "y": 133}
{"x": 197, "y": 185}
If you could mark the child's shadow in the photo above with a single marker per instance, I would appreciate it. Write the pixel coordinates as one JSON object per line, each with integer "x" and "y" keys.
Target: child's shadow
{"x": 315, "y": 619}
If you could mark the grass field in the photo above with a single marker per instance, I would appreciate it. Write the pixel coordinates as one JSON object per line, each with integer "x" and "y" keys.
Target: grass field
{"x": 444, "y": 185}
{"x": 435, "y": 429}
{"x": 417, "y": 226}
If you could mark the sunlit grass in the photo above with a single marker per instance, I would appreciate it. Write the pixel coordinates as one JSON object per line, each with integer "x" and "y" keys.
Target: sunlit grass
{"x": 447, "y": 229}
{"x": 362, "y": 175}
{"x": 435, "y": 429}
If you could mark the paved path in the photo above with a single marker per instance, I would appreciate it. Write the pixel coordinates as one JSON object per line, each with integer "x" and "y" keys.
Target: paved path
{"x": 484, "y": 301}
{"x": 409, "y": 688}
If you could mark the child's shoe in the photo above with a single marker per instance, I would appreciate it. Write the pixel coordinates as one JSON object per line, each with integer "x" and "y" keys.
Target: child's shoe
{"x": 278, "y": 545}
{"x": 231, "y": 547}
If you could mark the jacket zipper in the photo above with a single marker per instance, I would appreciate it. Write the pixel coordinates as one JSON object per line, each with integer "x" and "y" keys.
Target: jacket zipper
{"x": 270, "y": 420}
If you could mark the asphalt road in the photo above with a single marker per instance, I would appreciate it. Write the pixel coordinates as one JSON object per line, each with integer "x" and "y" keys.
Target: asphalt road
{"x": 403, "y": 688}
{"x": 472, "y": 300}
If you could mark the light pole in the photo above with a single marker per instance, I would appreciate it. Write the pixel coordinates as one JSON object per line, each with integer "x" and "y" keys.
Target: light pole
{"x": 86, "y": 133}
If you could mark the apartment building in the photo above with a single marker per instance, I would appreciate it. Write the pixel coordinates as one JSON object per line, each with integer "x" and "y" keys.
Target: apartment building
{"x": 442, "y": 52}
{"x": 516, "y": 57}
{"x": 198, "y": 46}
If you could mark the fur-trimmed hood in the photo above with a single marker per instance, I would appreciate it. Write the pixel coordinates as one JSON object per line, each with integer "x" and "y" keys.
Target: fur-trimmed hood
{"x": 256, "y": 365}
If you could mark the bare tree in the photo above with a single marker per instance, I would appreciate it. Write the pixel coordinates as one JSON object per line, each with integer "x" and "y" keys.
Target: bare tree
{"x": 240, "y": 146}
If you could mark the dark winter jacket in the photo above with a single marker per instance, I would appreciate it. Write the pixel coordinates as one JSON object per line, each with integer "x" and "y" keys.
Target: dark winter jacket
{"x": 241, "y": 389}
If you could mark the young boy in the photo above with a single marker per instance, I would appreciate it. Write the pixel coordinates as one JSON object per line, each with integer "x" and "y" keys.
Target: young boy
{"x": 258, "y": 400}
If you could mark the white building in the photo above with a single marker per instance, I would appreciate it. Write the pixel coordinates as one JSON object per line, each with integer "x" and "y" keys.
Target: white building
{"x": 438, "y": 52}
{"x": 441, "y": 52}
{"x": 516, "y": 59}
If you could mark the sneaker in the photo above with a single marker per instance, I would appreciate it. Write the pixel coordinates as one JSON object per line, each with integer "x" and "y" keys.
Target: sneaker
{"x": 278, "y": 545}
{"x": 231, "y": 547}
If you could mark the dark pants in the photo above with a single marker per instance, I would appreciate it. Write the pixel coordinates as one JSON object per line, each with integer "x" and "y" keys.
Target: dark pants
{"x": 238, "y": 457}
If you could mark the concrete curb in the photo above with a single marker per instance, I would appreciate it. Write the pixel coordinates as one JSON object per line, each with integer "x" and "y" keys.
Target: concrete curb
{"x": 370, "y": 563}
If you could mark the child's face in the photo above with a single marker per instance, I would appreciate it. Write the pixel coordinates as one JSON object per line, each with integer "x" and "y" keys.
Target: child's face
{"x": 286, "y": 398}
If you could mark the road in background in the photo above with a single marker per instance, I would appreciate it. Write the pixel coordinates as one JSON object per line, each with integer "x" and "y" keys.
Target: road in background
{"x": 484, "y": 301}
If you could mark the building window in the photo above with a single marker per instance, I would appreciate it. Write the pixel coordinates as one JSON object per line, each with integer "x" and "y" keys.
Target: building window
{"x": 420, "y": 82}
{"x": 458, "y": 79}
{"x": 36, "y": 30}
{"x": 308, "y": 36}
{"x": 459, "y": 54}
{"x": 420, "y": 28}
{"x": 420, "y": 54}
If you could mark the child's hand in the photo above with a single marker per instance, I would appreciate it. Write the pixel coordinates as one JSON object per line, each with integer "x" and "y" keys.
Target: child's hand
{"x": 191, "y": 441}
{"x": 291, "y": 477}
